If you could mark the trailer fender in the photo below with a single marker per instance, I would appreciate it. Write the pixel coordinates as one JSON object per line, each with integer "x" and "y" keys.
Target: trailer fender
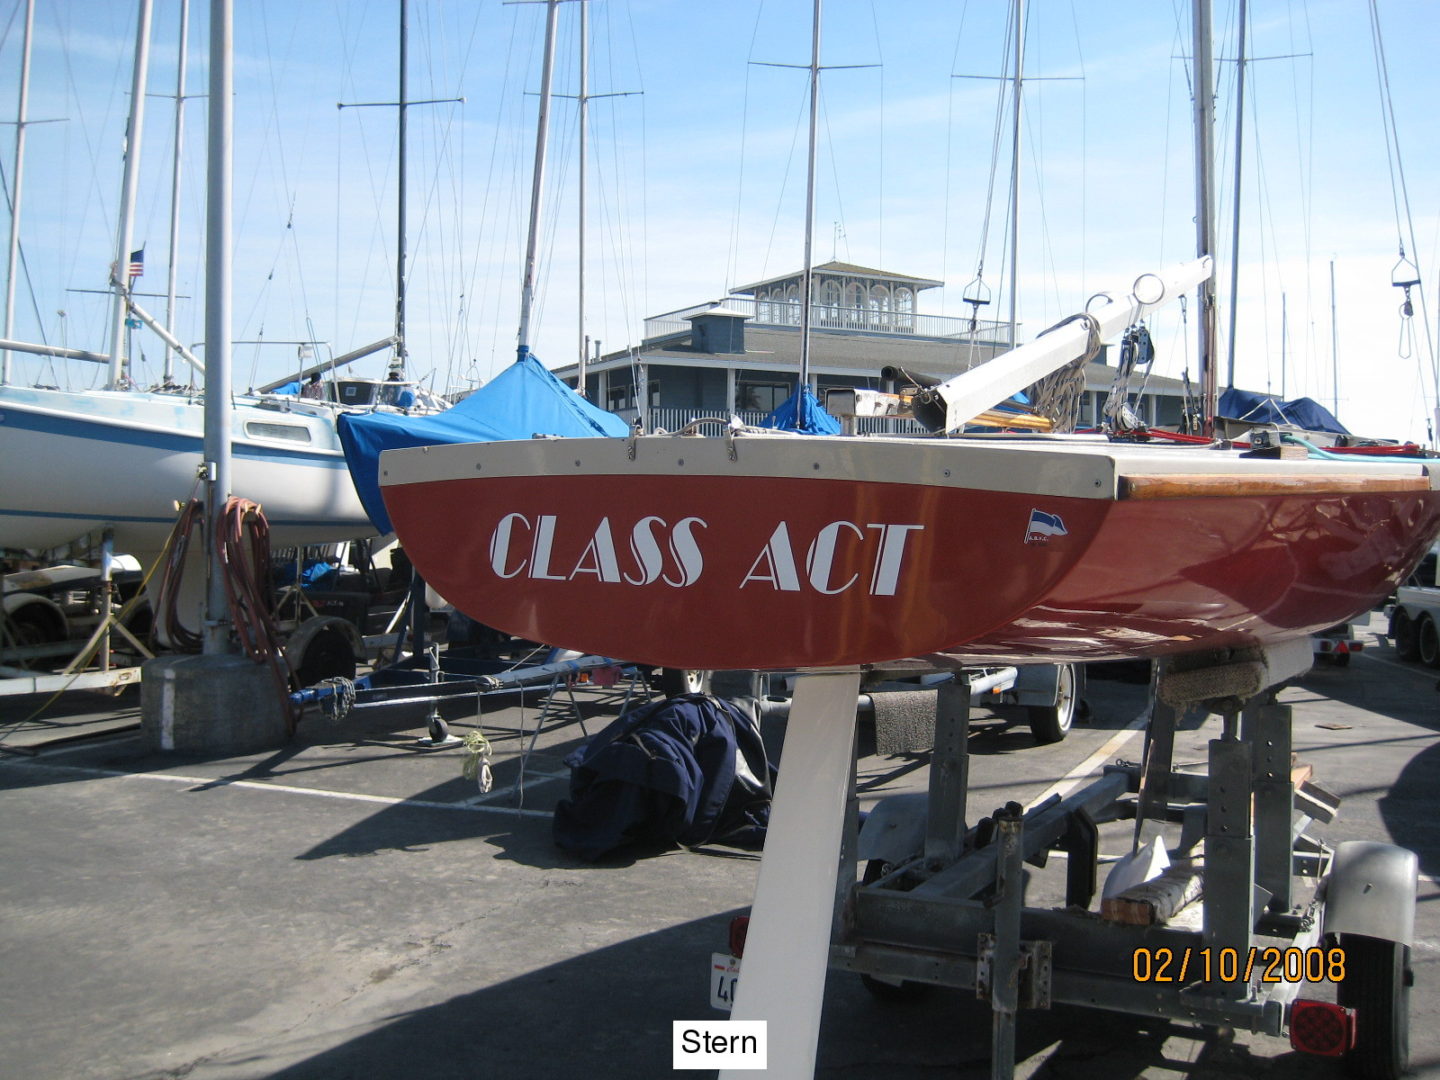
{"x": 1370, "y": 890}
{"x": 323, "y": 647}
{"x": 34, "y": 619}
{"x": 1036, "y": 684}
{"x": 894, "y": 830}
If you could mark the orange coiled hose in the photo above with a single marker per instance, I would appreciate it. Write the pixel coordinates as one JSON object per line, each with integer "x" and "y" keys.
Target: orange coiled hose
{"x": 243, "y": 536}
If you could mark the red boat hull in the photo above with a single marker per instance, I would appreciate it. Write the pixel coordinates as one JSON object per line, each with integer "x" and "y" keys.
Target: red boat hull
{"x": 721, "y": 568}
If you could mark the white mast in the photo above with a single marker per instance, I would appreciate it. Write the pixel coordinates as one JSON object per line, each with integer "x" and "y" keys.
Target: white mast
{"x": 1284, "y": 341}
{"x": 806, "y": 277}
{"x": 217, "y": 315}
{"x": 1334, "y": 346}
{"x": 16, "y": 183}
{"x": 1235, "y": 222}
{"x": 397, "y": 362}
{"x": 173, "y": 270}
{"x": 1015, "y": 167}
{"x": 120, "y": 272}
{"x": 584, "y": 99}
{"x": 1204, "y": 212}
{"x": 527, "y": 288}
{"x": 402, "y": 168}
{"x": 807, "y": 274}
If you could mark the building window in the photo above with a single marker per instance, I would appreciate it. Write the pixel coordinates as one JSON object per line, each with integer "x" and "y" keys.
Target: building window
{"x": 773, "y": 309}
{"x": 879, "y": 306}
{"x": 620, "y": 397}
{"x": 855, "y": 303}
{"x": 1169, "y": 410}
{"x": 905, "y": 310}
{"x": 829, "y": 313}
{"x": 760, "y": 396}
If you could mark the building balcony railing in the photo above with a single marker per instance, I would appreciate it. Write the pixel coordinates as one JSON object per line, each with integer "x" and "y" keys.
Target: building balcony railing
{"x": 786, "y": 315}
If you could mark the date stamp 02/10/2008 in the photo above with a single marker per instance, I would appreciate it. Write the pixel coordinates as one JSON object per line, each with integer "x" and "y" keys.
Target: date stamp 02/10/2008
{"x": 1271, "y": 965}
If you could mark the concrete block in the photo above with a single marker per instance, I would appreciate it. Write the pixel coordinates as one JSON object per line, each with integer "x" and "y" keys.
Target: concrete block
{"x": 210, "y": 705}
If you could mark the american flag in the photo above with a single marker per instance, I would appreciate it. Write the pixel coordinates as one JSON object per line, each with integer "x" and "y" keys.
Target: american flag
{"x": 137, "y": 263}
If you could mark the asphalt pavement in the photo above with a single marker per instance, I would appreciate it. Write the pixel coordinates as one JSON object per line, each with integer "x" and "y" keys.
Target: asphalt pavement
{"x": 350, "y": 905}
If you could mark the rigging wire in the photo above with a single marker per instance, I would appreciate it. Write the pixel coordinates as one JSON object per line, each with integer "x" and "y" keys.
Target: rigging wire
{"x": 733, "y": 256}
{"x": 880, "y": 158}
{"x": 460, "y": 342}
{"x": 785, "y": 182}
{"x": 835, "y": 167}
{"x": 1400, "y": 196}
{"x": 977, "y": 293}
{"x": 1305, "y": 164}
{"x": 1007, "y": 49}
{"x": 24, "y": 265}
{"x": 1084, "y": 149}
{"x": 619, "y": 272}
{"x": 645, "y": 170}
{"x": 492, "y": 238}
{"x": 950, "y": 152}
{"x": 98, "y": 194}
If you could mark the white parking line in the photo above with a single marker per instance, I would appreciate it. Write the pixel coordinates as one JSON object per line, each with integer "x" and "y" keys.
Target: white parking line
{"x": 1071, "y": 780}
{"x": 1423, "y": 672}
{"x": 257, "y": 785}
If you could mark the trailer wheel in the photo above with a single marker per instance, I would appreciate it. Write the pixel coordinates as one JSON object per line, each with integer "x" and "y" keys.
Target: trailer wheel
{"x": 1405, "y": 635}
{"x": 1051, "y": 723}
{"x": 1429, "y": 642}
{"x": 1377, "y": 986}
{"x": 875, "y": 869}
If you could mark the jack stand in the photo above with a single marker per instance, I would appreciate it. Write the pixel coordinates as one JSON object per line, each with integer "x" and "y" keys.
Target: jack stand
{"x": 1003, "y": 985}
{"x": 439, "y": 730}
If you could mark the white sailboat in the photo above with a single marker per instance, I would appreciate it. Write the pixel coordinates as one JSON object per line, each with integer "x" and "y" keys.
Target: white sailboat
{"x": 76, "y": 461}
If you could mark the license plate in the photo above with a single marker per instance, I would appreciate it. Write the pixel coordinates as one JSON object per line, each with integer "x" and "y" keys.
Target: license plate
{"x": 724, "y": 971}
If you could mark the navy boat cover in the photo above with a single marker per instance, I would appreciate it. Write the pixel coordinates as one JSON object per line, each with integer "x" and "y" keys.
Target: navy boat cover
{"x": 523, "y": 400}
{"x": 812, "y": 419}
{"x": 1306, "y": 413}
{"x": 689, "y": 770}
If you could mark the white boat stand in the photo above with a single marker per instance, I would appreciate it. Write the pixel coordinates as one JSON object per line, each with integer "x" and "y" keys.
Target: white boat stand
{"x": 940, "y": 904}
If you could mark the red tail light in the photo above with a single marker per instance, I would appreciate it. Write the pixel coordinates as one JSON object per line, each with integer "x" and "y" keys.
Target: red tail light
{"x": 1321, "y": 1027}
{"x": 739, "y": 926}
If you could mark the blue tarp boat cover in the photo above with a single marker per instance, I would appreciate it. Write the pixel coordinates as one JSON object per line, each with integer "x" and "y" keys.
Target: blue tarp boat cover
{"x": 814, "y": 420}
{"x": 1256, "y": 408}
{"x": 523, "y": 400}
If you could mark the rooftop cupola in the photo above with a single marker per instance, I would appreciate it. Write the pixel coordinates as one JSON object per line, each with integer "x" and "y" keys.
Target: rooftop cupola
{"x": 718, "y": 330}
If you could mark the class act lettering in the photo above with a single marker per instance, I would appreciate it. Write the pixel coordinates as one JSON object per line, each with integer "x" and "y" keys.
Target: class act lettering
{"x": 656, "y": 551}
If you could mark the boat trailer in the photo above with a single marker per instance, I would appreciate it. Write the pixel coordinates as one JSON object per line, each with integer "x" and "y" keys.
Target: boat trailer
{"x": 940, "y": 904}
{"x": 407, "y": 685}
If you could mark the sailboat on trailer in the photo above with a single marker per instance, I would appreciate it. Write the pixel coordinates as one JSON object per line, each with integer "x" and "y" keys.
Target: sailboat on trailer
{"x": 768, "y": 550}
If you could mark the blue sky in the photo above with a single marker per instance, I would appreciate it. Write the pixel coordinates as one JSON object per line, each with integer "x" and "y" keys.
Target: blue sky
{"x": 697, "y": 173}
